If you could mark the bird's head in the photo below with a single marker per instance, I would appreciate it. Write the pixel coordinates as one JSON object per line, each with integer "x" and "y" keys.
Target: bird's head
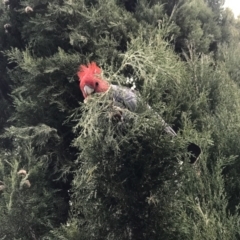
{"x": 90, "y": 80}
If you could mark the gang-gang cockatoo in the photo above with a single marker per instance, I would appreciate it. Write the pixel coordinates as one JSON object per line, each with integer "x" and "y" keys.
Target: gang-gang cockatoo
{"x": 91, "y": 82}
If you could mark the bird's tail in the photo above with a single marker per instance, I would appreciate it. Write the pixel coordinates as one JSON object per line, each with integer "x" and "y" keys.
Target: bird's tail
{"x": 193, "y": 149}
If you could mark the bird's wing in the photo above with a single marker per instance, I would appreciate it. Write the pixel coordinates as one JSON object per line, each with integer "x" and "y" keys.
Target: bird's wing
{"x": 129, "y": 98}
{"x": 125, "y": 97}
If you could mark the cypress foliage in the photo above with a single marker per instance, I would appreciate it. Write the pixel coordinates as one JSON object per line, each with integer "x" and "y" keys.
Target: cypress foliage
{"x": 70, "y": 170}
{"x": 29, "y": 204}
{"x": 127, "y": 169}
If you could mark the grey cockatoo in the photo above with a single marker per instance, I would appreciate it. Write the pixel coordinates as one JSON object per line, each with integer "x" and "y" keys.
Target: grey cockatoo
{"x": 91, "y": 82}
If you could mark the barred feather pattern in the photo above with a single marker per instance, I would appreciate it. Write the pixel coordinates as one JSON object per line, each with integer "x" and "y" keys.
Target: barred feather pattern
{"x": 129, "y": 99}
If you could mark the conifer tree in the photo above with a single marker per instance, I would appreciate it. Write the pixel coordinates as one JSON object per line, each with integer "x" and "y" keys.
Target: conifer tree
{"x": 127, "y": 170}
{"x": 29, "y": 205}
{"x": 4, "y": 79}
{"x": 69, "y": 170}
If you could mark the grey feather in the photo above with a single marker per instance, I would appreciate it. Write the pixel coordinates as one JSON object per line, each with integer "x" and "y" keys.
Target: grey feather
{"x": 125, "y": 96}
{"x": 129, "y": 98}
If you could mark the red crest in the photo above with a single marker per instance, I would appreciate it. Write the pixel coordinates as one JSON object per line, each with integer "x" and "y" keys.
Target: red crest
{"x": 90, "y": 70}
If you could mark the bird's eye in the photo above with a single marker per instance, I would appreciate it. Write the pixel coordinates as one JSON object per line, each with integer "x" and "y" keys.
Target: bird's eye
{"x": 96, "y": 84}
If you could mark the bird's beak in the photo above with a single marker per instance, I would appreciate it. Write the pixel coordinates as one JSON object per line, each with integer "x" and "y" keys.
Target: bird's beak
{"x": 88, "y": 90}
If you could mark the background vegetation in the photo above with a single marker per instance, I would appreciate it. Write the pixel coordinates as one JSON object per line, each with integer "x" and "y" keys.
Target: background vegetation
{"x": 67, "y": 171}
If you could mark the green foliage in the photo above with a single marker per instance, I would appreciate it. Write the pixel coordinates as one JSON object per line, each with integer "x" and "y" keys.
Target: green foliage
{"x": 120, "y": 175}
{"x": 4, "y": 78}
{"x": 127, "y": 172}
{"x": 204, "y": 204}
{"x": 198, "y": 26}
{"x": 119, "y": 189}
{"x": 28, "y": 202}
